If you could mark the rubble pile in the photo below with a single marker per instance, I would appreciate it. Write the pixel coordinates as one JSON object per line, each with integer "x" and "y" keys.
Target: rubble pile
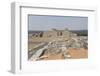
{"x": 61, "y": 46}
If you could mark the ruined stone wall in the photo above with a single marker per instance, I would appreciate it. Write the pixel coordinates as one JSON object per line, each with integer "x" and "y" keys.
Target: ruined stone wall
{"x": 49, "y": 34}
{"x": 54, "y": 34}
{"x": 66, "y": 34}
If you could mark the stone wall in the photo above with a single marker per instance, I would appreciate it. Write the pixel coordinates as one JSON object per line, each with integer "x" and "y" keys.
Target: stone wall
{"x": 54, "y": 33}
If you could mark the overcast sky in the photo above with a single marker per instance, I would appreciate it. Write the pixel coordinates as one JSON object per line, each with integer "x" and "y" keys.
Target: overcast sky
{"x": 44, "y": 23}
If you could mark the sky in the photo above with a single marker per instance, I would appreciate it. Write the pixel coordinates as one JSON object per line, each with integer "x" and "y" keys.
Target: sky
{"x": 44, "y": 23}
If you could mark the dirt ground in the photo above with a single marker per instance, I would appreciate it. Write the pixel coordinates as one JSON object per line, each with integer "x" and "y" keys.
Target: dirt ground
{"x": 78, "y": 53}
{"x": 74, "y": 54}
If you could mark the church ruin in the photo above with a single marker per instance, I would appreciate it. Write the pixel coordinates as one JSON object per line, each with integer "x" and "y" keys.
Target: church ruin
{"x": 54, "y": 33}
{"x": 55, "y": 42}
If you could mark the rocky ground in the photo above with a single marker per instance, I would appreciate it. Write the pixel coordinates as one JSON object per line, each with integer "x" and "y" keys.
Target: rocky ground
{"x": 60, "y": 48}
